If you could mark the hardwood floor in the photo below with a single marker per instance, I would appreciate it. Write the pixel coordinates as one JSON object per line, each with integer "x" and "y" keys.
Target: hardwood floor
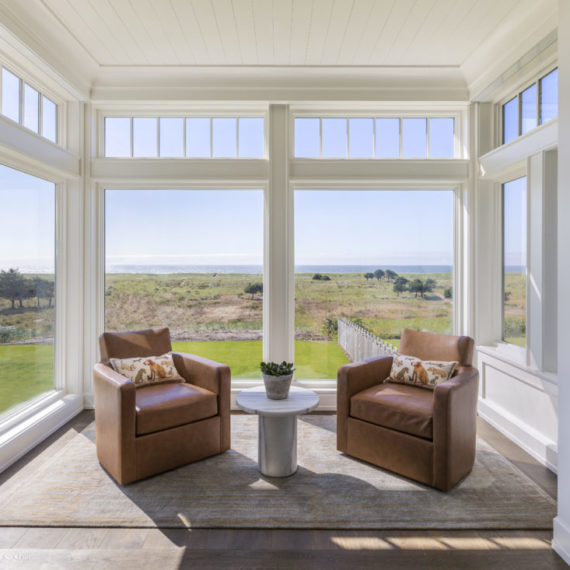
{"x": 102, "y": 548}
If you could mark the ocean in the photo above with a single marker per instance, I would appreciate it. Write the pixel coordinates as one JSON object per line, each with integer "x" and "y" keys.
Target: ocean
{"x": 257, "y": 269}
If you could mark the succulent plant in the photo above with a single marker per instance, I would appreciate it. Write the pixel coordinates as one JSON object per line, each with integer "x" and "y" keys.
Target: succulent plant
{"x": 275, "y": 369}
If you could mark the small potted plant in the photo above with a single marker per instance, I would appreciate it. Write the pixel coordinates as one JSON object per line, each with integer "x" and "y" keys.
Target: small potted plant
{"x": 277, "y": 379}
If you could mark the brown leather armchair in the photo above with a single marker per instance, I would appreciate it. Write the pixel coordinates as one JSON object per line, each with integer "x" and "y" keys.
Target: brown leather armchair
{"x": 146, "y": 430}
{"x": 425, "y": 435}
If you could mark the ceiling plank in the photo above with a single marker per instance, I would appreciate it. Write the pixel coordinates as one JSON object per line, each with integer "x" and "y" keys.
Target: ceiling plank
{"x": 263, "y": 19}
{"x": 225, "y": 20}
{"x": 320, "y": 22}
{"x": 184, "y": 14}
{"x": 372, "y": 31}
{"x": 282, "y": 22}
{"x": 300, "y": 26}
{"x": 243, "y": 13}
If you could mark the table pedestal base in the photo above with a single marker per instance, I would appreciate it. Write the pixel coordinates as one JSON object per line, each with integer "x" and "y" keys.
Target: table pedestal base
{"x": 277, "y": 452}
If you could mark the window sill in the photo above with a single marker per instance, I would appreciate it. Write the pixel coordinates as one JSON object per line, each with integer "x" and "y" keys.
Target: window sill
{"x": 516, "y": 356}
{"x": 27, "y": 429}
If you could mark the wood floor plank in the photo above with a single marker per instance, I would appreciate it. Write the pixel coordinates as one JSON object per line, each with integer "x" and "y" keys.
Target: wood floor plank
{"x": 9, "y": 536}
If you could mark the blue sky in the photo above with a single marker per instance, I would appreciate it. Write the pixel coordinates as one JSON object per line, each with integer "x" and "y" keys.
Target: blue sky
{"x": 515, "y": 219}
{"x": 27, "y": 222}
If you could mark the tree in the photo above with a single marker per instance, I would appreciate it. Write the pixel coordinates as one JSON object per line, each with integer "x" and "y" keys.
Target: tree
{"x": 391, "y": 275}
{"x": 368, "y": 276}
{"x": 253, "y": 288}
{"x": 400, "y": 285}
{"x": 42, "y": 289}
{"x": 379, "y": 274}
{"x": 416, "y": 286}
{"x": 429, "y": 285}
{"x": 12, "y": 286}
{"x": 319, "y": 277}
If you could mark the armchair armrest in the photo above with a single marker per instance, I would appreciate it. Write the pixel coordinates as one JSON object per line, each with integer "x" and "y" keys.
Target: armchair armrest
{"x": 212, "y": 376}
{"x": 455, "y": 426}
{"x": 351, "y": 379}
{"x": 115, "y": 422}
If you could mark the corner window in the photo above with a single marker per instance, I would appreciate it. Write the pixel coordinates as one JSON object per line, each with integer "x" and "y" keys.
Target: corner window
{"x": 27, "y": 287}
{"x": 25, "y": 105}
{"x": 534, "y": 106}
{"x": 514, "y": 261}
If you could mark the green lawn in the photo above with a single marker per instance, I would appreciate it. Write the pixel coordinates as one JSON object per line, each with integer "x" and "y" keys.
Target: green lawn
{"x": 26, "y": 371}
{"x": 243, "y": 357}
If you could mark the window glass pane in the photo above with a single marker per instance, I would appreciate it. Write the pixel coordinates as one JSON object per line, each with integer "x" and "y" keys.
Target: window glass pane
{"x": 361, "y": 138}
{"x": 224, "y": 132}
{"x": 117, "y": 137}
{"x": 49, "y": 119}
{"x": 387, "y": 138}
{"x": 549, "y": 97}
{"x": 202, "y": 279}
{"x": 10, "y": 95}
{"x": 414, "y": 138}
{"x": 441, "y": 135}
{"x": 145, "y": 137}
{"x": 171, "y": 137}
{"x": 514, "y": 259}
{"x": 510, "y": 120}
{"x": 353, "y": 274}
{"x": 529, "y": 115}
{"x": 251, "y": 137}
{"x": 27, "y": 292}
{"x": 334, "y": 138}
{"x": 31, "y": 108}
{"x": 198, "y": 137}
{"x": 307, "y": 138}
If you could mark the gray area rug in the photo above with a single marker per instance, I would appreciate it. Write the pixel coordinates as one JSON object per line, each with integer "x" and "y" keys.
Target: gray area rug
{"x": 329, "y": 491}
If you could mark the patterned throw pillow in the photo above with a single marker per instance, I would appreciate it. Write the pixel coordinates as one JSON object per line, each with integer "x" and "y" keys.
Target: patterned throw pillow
{"x": 422, "y": 373}
{"x": 147, "y": 370}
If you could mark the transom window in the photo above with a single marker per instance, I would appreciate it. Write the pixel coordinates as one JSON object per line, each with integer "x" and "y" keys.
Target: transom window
{"x": 184, "y": 137}
{"x": 28, "y": 107}
{"x": 375, "y": 137}
{"x": 534, "y": 106}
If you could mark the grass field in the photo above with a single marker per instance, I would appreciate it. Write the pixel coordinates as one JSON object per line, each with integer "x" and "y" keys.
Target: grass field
{"x": 26, "y": 371}
{"x": 211, "y": 309}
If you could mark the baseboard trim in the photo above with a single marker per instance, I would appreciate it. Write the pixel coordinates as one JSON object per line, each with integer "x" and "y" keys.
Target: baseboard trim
{"x": 541, "y": 448}
{"x": 22, "y": 438}
{"x": 561, "y": 541}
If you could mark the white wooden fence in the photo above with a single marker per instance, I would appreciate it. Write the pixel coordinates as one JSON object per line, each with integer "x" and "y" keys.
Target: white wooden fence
{"x": 359, "y": 344}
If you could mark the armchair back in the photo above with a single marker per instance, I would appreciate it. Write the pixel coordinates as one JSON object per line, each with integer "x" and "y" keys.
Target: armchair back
{"x": 132, "y": 344}
{"x": 432, "y": 346}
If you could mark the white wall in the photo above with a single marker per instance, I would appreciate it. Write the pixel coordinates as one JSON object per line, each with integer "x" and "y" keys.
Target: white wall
{"x": 562, "y": 522}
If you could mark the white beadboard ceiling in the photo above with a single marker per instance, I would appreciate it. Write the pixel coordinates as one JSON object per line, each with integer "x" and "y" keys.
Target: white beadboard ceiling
{"x": 104, "y": 40}
{"x": 282, "y": 32}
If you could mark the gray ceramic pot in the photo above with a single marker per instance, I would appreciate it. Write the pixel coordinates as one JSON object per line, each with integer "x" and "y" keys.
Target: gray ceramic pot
{"x": 277, "y": 387}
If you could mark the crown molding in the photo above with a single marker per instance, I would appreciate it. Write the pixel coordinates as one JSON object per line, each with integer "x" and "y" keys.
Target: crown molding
{"x": 36, "y": 41}
{"x": 527, "y": 33}
{"x": 279, "y": 83}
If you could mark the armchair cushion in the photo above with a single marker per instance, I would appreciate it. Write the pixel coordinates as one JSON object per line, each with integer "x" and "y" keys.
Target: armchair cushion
{"x": 421, "y": 373}
{"x": 147, "y": 369}
{"x": 164, "y": 406}
{"x": 396, "y": 406}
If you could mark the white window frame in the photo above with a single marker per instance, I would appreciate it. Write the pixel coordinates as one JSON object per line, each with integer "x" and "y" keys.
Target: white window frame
{"x": 278, "y": 174}
{"x": 182, "y": 112}
{"x": 430, "y": 112}
{"x": 517, "y": 94}
{"x": 61, "y": 110}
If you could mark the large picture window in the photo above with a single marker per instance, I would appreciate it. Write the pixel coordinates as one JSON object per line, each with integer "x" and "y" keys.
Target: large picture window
{"x": 190, "y": 260}
{"x": 27, "y": 287}
{"x": 381, "y": 259}
{"x": 514, "y": 261}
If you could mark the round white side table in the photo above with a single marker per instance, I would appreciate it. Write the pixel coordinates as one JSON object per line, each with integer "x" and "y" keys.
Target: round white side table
{"x": 277, "y": 441}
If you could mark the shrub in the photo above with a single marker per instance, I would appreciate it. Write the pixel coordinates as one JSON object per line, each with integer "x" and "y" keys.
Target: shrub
{"x": 448, "y": 293}
{"x": 330, "y": 326}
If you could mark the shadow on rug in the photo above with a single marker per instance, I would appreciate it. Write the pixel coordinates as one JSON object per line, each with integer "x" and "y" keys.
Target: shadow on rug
{"x": 329, "y": 491}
